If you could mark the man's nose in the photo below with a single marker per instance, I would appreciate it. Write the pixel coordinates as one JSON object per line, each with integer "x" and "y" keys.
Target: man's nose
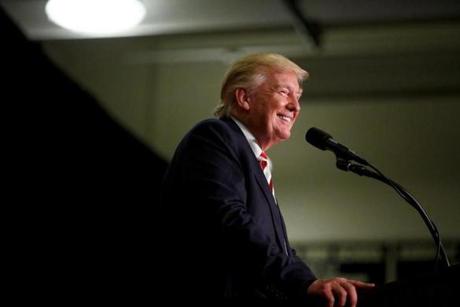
{"x": 294, "y": 104}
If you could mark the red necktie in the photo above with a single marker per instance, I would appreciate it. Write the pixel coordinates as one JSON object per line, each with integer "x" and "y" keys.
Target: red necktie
{"x": 263, "y": 162}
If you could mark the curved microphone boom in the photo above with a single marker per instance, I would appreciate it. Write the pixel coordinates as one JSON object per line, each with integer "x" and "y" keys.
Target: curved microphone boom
{"x": 345, "y": 158}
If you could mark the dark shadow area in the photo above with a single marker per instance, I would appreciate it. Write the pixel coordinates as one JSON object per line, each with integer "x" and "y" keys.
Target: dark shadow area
{"x": 436, "y": 289}
{"x": 84, "y": 190}
{"x": 408, "y": 269}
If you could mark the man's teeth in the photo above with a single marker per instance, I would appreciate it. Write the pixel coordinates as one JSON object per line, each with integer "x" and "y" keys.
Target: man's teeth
{"x": 286, "y": 118}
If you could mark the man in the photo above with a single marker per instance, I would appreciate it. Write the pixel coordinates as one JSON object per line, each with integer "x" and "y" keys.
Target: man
{"x": 224, "y": 238}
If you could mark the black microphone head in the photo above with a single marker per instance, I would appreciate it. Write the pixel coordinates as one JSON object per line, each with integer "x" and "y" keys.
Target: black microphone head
{"x": 317, "y": 138}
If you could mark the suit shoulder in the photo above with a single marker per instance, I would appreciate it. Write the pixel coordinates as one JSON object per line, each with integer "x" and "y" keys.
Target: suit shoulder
{"x": 212, "y": 122}
{"x": 219, "y": 134}
{"x": 214, "y": 127}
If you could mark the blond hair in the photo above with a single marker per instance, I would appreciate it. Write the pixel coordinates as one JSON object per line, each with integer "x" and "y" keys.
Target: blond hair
{"x": 249, "y": 72}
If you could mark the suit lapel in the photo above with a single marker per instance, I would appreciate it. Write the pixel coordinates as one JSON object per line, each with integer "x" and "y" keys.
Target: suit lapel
{"x": 255, "y": 169}
{"x": 263, "y": 184}
{"x": 253, "y": 163}
{"x": 276, "y": 215}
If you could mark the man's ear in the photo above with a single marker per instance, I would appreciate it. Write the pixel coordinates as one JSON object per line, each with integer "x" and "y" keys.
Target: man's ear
{"x": 242, "y": 99}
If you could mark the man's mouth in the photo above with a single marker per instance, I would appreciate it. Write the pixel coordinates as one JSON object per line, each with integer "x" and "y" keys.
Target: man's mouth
{"x": 285, "y": 118}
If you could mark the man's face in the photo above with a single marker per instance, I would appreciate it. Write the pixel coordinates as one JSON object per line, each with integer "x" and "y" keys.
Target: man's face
{"x": 273, "y": 108}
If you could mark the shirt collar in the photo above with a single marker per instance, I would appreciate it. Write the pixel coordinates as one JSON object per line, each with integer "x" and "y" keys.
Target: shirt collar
{"x": 250, "y": 137}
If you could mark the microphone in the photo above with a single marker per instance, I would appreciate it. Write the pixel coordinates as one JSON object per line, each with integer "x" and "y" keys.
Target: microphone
{"x": 324, "y": 141}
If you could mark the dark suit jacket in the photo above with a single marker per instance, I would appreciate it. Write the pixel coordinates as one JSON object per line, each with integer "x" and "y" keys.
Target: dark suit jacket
{"x": 223, "y": 236}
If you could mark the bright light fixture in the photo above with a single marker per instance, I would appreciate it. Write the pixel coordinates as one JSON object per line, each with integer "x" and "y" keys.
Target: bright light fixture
{"x": 96, "y": 16}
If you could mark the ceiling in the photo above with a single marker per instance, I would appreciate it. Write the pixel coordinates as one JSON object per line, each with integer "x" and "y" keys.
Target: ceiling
{"x": 186, "y": 16}
{"x": 356, "y": 48}
{"x": 222, "y": 30}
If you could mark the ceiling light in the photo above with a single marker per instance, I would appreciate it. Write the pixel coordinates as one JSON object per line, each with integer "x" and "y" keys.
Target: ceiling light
{"x": 96, "y": 16}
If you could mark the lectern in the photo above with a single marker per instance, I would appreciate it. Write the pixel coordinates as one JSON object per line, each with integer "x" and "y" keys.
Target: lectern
{"x": 441, "y": 289}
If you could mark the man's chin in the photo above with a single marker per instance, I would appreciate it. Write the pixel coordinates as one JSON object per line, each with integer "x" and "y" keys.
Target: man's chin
{"x": 284, "y": 136}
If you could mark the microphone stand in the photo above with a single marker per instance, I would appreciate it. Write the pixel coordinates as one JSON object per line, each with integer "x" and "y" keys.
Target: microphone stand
{"x": 361, "y": 170}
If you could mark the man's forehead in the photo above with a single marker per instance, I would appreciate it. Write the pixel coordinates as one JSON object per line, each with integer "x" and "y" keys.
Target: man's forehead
{"x": 285, "y": 76}
{"x": 287, "y": 82}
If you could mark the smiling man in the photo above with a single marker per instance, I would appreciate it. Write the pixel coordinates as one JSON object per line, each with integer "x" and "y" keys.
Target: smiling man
{"x": 223, "y": 237}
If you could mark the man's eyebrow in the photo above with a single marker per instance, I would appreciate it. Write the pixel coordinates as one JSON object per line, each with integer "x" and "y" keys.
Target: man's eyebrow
{"x": 281, "y": 85}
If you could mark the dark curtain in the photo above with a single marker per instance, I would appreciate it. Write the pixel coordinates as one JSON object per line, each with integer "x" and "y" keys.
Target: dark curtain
{"x": 81, "y": 188}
